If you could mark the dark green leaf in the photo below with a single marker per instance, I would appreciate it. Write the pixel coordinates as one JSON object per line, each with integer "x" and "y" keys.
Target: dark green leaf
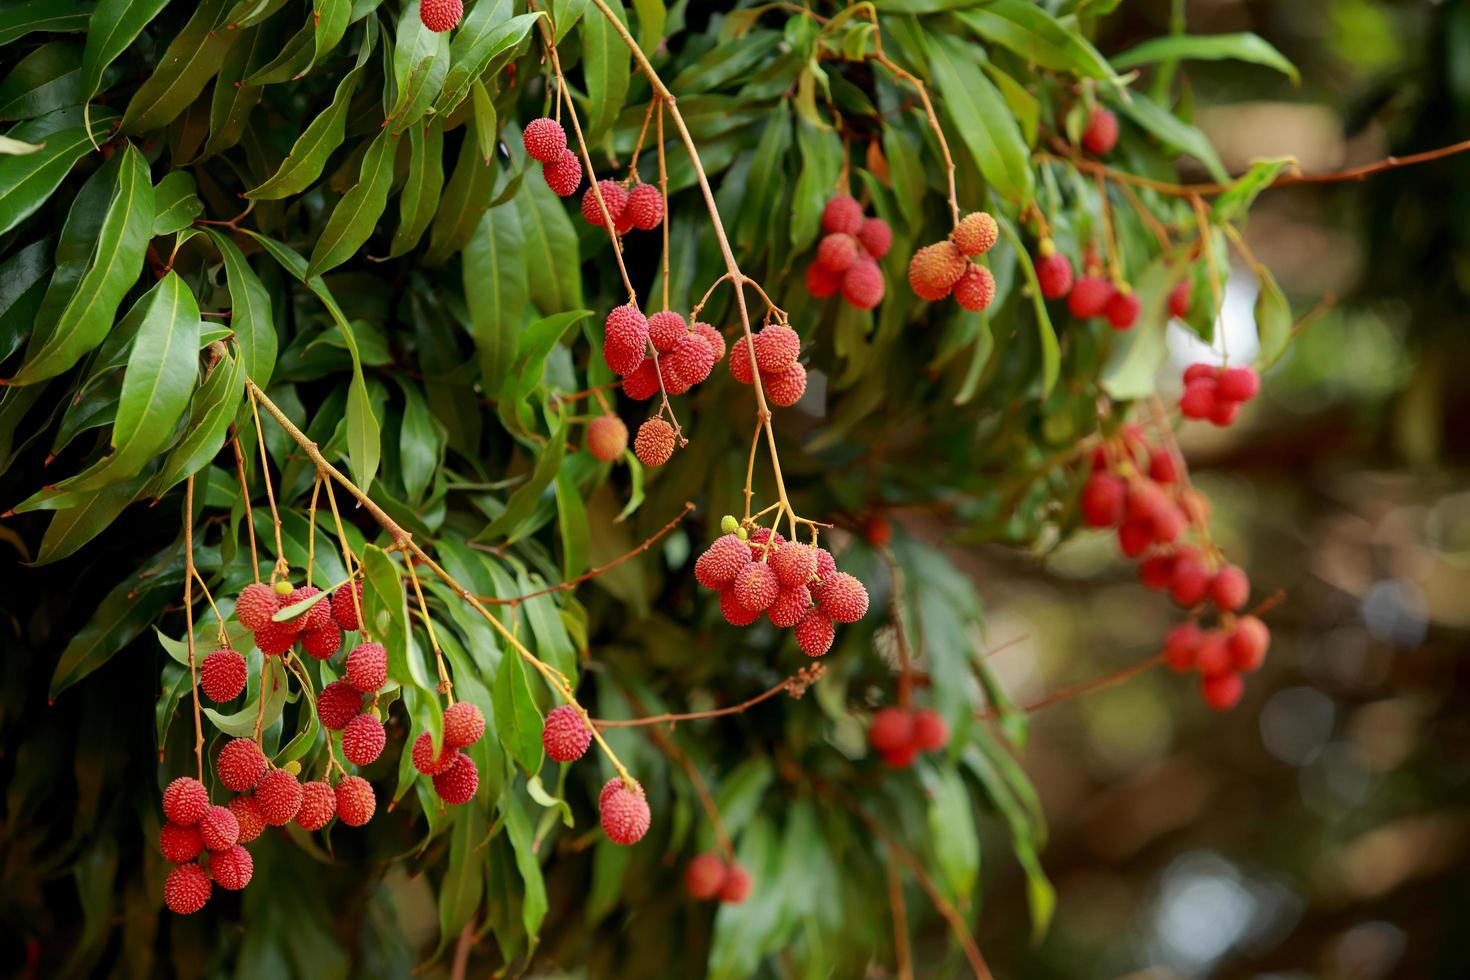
{"x": 356, "y": 215}
{"x": 982, "y": 119}
{"x": 1215, "y": 47}
{"x": 517, "y": 718}
{"x": 113, "y": 26}
{"x": 1037, "y": 37}
{"x": 191, "y": 60}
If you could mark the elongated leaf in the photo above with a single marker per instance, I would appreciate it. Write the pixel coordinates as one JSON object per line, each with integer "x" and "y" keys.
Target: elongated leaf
{"x": 1273, "y": 319}
{"x": 114, "y": 25}
{"x": 466, "y": 197}
{"x": 487, "y": 35}
{"x": 1215, "y": 47}
{"x": 462, "y": 890}
{"x": 175, "y": 203}
{"x": 571, "y": 513}
{"x": 1174, "y": 132}
{"x": 1037, "y": 37}
{"x": 28, "y": 180}
{"x": 215, "y": 405}
{"x": 517, "y": 718}
{"x": 1130, "y": 371}
{"x": 119, "y": 619}
{"x": 1046, "y": 334}
{"x": 308, "y": 156}
{"x": 420, "y": 196}
{"x": 356, "y": 215}
{"x": 420, "y": 62}
{"x": 607, "y": 64}
{"x": 45, "y": 80}
{"x": 329, "y": 19}
{"x": 250, "y": 311}
{"x": 496, "y": 291}
{"x": 191, "y": 60}
{"x": 550, "y": 245}
{"x": 73, "y": 527}
{"x": 232, "y": 101}
{"x": 982, "y": 119}
{"x": 24, "y": 16}
{"x": 22, "y": 278}
{"x": 533, "y": 902}
{"x": 1241, "y": 194}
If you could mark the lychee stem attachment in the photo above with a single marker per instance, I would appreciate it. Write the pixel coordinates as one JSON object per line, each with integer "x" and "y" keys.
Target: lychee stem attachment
{"x": 189, "y": 575}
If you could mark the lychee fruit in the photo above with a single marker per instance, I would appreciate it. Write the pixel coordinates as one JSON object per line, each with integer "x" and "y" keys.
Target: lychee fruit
{"x": 247, "y": 815}
{"x": 935, "y": 269}
{"x": 794, "y": 564}
{"x": 318, "y": 616}
{"x": 240, "y": 765}
{"x": 1224, "y": 413}
{"x": 837, "y": 251}
{"x": 692, "y": 358}
{"x": 441, "y": 15}
{"x": 721, "y": 562}
{"x": 1248, "y": 642}
{"x": 624, "y": 339}
{"x": 1190, "y": 582}
{"x": 704, "y": 876}
{"x": 1054, "y": 274}
{"x": 1102, "y": 500}
{"x": 1101, "y": 134}
{"x": 232, "y": 868}
{"x": 1222, "y": 691}
{"x": 654, "y": 444}
{"x": 185, "y": 800}
{"x": 931, "y": 732}
{"x": 645, "y": 206}
{"x": 764, "y": 540}
{"x": 1229, "y": 589}
{"x": 1180, "y": 644}
{"x": 875, "y": 237}
{"x": 424, "y": 759}
{"x": 363, "y": 739}
{"x": 565, "y": 734}
{"x": 842, "y": 598}
{"x": 323, "y": 643}
{"x": 815, "y": 632}
{"x": 786, "y": 388}
{"x": 274, "y": 639}
{"x": 1123, "y": 308}
{"x": 338, "y": 704}
{"x": 1089, "y": 297}
{"x": 279, "y": 797}
{"x": 756, "y": 586}
{"x": 186, "y": 889}
{"x": 790, "y": 607}
{"x": 544, "y": 139}
{"x": 457, "y": 784}
{"x": 739, "y": 361}
{"x": 891, "y": 730}
{"x": 642, "y": 384}
{"x": 345, "y": 608}
{"x": 1238, "y": 384}
{"x": 975, "y": 234}
{"x": 901, "y": 757}
{"x": 734, "y": 612}
{"x": 664, "y": 330}
{"x": 318, "y": 805}
{"x": 464, "y": 724}
{"x": 1198, "y": 400}
{"x": 179, "y": 843}
{"x": 355, "y": 801}
{"x": 713, "y": 338}
{"x": 563, "y": 174}
{"x": 842, "y": 214}
{"x": 218, "y": 828}
{"x": 976, "y": 289}
{"x": 367, "y": 667}
{"x": 1180, "y": 296}
{"x": 614, "y": 198}
{"x": 256, "y": 605}
{"x": 776, "y": 348}
{"x": 736, "y": 888}
{"x": 624, "y": 814}
{"x": 821, "y": 281}
{"x": 863, "y": 285}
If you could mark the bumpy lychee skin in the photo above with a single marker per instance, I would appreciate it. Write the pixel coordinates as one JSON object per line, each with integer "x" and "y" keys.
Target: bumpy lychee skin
{"x": 837, "y": 251}
{"x": 1229, "y": 589}
{"x": 1191, "y": 581}
{"x": 786, "y": 388}
{"x": 1054, "y": 273}
{"x": 794, "y": 564}
{"x": 736, "y": 888}
{"x": 736, "y": 614}
{"x": 318, "y": 805}
{"x": 975, "y": 234}
{"x": 875, "y": 237}
{"x": 232, "y": 868}
{"x": 842, "y": 214}
{"x": 274, "y": 639}
{"x": 756, "y": 587}
{"x": 935, "y": 269}
{"x": 185, "y": 800}
{"x": 338, "y": 704}
{"x": 790, "y": 607}
{"x": 625, "y": 815}
{"x": 763, "y": 540}
{"x": 363, "y": 739}
{"x": 1102, "y": 500}
{"x": 821, "y": 281}
{"x": 1238, "y": 384}
{"x": 624, "y": 338}
{"x": 1222, "y": 691}
{"x": 645, "y": 206}
{"x": 608, "y": 788}
{"x": 323, "y": 643}
{"x": 654, "y": 444}
{"x": 355, "y": 801}
{"x": 693, "y": 358}
{"x": 1180, "y": 645}
{"x": 1224, "y": 413}
{"x": 607, "y": 437}
{"x": 1101, "y": 134}
{"x": 219, "y": 828}
{"x": 642, "y": 384}
{"x": 441, "y": 15}
{"x": 247, "y": 815}
{"x": 776, "y": 348}
{"x": 713, "y": 338}
{"x": 665, "y": 328}
{"x": 721, "y": 562}
{"x": 614, "y": 198}
{"x": 316, "y": 617}
{"x": 1089, "y": 297}
{"x": 1180, "y": 297}
{"x": 815, "y": 633}
{"x": 344, "y": 610}
{"x": 900, "y": 758}
{"x": 279, "y": 797}
{"x": 256, "y": 605}
{"x": 739, "y": 361}
{"x": 367, "y": 667}
{"x": 457, "y": 784}
{"x": 1123, "y": 309}
{"x": 674, "y": 382}
{"x": 179, "y": 843}
{"x": 464, "y": 725}
{"x": 826, "y": 565}
{"x": 976, "y": 289}
{"x": 1248, "y": 642}
{"x": 222, "y": 675}
{"x": 892, "y": 729}
{"x": 931, "y": 731}
{"x": 843, "y": 598}
{"x": 544, "y": 139}
{"x": 563, "y": 174}
{"x": 565, "y": 735}
{"x": 704, "y": 876}
{"x": 186, "y": 889}
{"x": 240, "y": 765}
{"x": 863, "y": 285}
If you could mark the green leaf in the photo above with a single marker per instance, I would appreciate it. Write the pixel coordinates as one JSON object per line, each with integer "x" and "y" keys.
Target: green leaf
{"x": 45, "y": 80}
{"x": 517, "y": 718}
{"x": 1215, "y": 47}
{"x": 232, "y": 101}
{"x": 607, "y": 64}
{"x": 356, "y": 215}
{"x": 652, "y": 16}
{"x": 308, "y": 156}
{"x": 1174, "y": 132}
{"x": 329, "y": 23}
{"x": 821, "y": 161}
{"x": 1139, "y": 353}
{"x": 952, "y": 828}
{"x": 1037, "y": 37}
{"x": 461, "y": 891}
{"x": 57, "y": 16}
{"x": 113, "y": 26}
{"x": 1273, "y": 319}
{"x": 1046, "y": 334}
{"x": 465, "y": 198}
{"x": 534, "y": 344}
{"x": 420, "y": 62}
{"x": 119, "y": 619}
{"x": 86, "y": 318}
{"x": 518, "y": 829}
{"x": 364, "y": 439}
{"x": 250, "y": 311}
{"x": 420, "y": 443}
{"x": 496, "y": 291}
{"x": 28, "y": 180}
{"x": 175, "y": 203}
{"x": 215, "y": 406}
{"x": 1238, "y": 198}
{"x": 564, "y": 15}
{"x": 550, "y": 245}
{"x": 571, "y": 513}
{"x": 191, "y": 60}
{"x": 73, "y": 527}
{"x": 982, "y": 119}
{"x": 385, "y": 606}
{"x": 420, "y": 196}
{"x": 523, "y": 502}
{"x": 488, "y": 30}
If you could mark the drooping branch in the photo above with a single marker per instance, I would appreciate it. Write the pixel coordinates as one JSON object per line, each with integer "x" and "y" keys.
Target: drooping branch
{"x": 796, "y": 684}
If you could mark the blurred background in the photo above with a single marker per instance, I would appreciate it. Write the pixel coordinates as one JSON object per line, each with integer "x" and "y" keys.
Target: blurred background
{"x": 1322, "y": 828}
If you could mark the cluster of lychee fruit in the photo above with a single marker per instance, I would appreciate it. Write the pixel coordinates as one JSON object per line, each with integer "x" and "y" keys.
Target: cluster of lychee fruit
{"x": 795, "y": 585}
{"x": 847, "y": 257}
{"x": 621, "y": 806}
{"x": 455, "y": 776}
{"x": 709, "y": 876}
{"x": 900, "y": 734}
{"x": 279, "y": 617}
{"x": 546, "y": 143}
{"x": 640, "y": 206}
{"x": 776, "y": 347}
{"x": 1216, "y": 393}
{"x": 945, "y": 267}
{"x": 1094, "y": 295}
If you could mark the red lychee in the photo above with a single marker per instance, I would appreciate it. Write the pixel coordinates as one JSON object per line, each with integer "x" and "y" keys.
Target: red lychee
{"x": 367, "y": 667}
{"x": 875, "y": 237}
{"x": 338, "y": 704}
{"x": 240, "y": 764}
{"x": 464, "y": 724}
{"x": 232, "y": 868}
{"x": 185, "y": 800}
{"x": 625, "y": 816}
{"x": 654, "y": 444}
{"x": 457, "y": 784}
{"x": 842, "y": 598}
{"x": 563, "y": 174}
{"x": 565, "y": 735}
{"x": 318, "y": 805}
{"x": 1101, "y": 134}
{"x": 815, "y": 632}
{"x": 279, "y": 797}
{"x": 544, "y": 139}
{"x": 186, "y": 889}
{"x": 355, "y": 801}
{"x": 842, "y": 214}
{"x": 179, "y": 843}
{"x": 222, "y": 675}
{"x": 363, "y": 739}
{"x": 624, "y": 339}
{"x": 704, "y": 876}
{"x": 256, "y": 605}
{"x": 721, "y": 562}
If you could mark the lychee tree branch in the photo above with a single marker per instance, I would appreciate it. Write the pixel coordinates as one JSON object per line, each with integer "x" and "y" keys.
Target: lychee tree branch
{"x": 189, "y": 575}
{"x": 796, "y": 684}
{"x": 245, "y": 497}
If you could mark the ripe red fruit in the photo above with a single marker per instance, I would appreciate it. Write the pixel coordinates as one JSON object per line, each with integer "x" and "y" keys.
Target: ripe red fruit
{"x": 614, "y": 198}
{"x": 1054, "y": 273}
{"x": 218, "y": 828}
{"x": 1134, "y": 536}
{"x": 794, "y": 564}
{"x": 790, "y": 607}
{"x": 863, "y": 285}
{"x": 1156, "y": 572}
{"x": 674, "y": 382}
{"x": 763, "y": 540}
{"x": 664, "y": 330}
{"x": 712, "y": 338}
{"x": 878, "y": 531}
{"x": 900, "y": 758}
{"x": 736, "y": 888}
{"x": 345, "y": 609}
{"x": 1162, "y": 467}
{"x": 645, "y": 206}
{"x": 625, "y": 815}
{"x": 457, "y": 784}
{"x": 826, "y": 565}
{"x": 837, "y": 251}
{"x": 424, "y": 759}
{"x": 232, "y": 868}
{"x": 185, "y": 800}
{"x": 1224, "y": 413}
{"x": 693, "y": 358}
{"x": 544, "y": 139}
{"x": 608, "y": 789}
{"x": 1229, "y": 589}
{"x": 1248, "y": 642}
{"x": 931, "y": 732}
{"x": 875, "y": 237}
{"x": 1238, "y": 384}
{"x": 318, "y": 805}
{"x": 1101, "y": 134}
{"x": 1212, "y": 655}
{"x": 274, "y": 639}
{"x": 842, "y": 598}
{"x": 441, "y": 15}
{"x": 975, "y": 234}
{"x": 279, "y": 797}
{"x": 367, "y": 667}
{"x": 565, "y": 736}
{"x": 821, "y": 281}
{"x": 318, "y": 616}
{"x": 642, "y": 384}
{"x": 1180, "y": 644}
{"x": 935, "y": 269}
{"x": 464, "y": 725}
{"x": 776, "y": 348}
{"x": 842, "y": 214}
{"x": 256, "y": 605}
{"x": 563, "y": 174}
{"x": 739, "y": 361}
{"x": 1200, "y": 371}
{"x": 654, "y": 443}
{"x": 323, "y": 643}
{"x": 722, "y": 561}
{"x": 1198, "y": 400}
{"x": 624, "y": 338}
{"x": 736, "y": 614}
{"x": 892, "y": 729}
{"x": 1223, "y": 691}
{"x": 240, "y": 765}
{"x": 1102, "y": 500}
{"x": 179, "y": 843}
{"x": 976, "y": 289}
{"x": 338, "y": 704}
{"x": 1179, "y": 297}
{"x": 1168, "y": 524}
{"x": 247, "y": 815}
{"x": 1089, "y": 297}
{"x": 756, "y": 587}
{"x": 1123, "y": 309}
{"x": 355, "y": 801}
{"x": 704, "y": 876}
{"x": 363, "y": 739}
{"x": 1190, "y": 581}
{"x": 786, "y": 388}
{"x": 815, "y": 632}
{"x": 186, "y": 889}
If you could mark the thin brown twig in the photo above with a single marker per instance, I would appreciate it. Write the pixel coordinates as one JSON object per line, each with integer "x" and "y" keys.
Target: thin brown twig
{"x": 1078, "y": 690}
{"x": 801, "y": 680}
{"x": 245, "y": 498}
{"x": 281, "y": 567}
{"x": 901, "y": 951}
{"x": 189, "y": 575}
